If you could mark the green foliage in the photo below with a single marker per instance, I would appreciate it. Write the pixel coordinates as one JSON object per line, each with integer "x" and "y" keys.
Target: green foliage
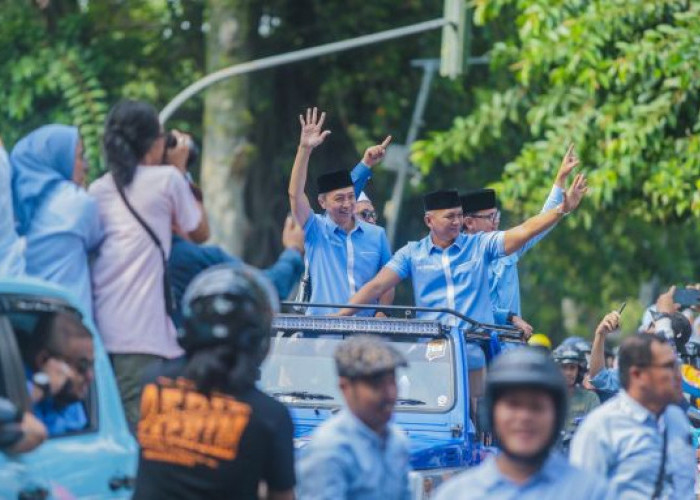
{"x": 620, "y": 79}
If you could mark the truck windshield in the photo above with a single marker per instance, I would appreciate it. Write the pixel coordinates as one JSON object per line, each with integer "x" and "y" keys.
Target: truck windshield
{"x": 300, "y": 370}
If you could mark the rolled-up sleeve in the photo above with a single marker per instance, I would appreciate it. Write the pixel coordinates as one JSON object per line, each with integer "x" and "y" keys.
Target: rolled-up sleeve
{"x": 493, "y": 245}
{"x": 400, "y": 263}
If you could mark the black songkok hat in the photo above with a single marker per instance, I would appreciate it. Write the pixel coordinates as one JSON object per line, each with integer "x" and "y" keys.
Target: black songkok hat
{"x": 333, "y": 180}
{"x": 479, "y": 199}
{"x": 440, "y": 200}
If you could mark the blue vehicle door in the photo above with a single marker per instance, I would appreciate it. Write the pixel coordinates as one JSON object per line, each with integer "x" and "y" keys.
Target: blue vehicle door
{"x": 99, "y": 460}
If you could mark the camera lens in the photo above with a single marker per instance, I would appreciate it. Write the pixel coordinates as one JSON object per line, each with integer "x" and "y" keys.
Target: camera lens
{"x": 170, "y": 140}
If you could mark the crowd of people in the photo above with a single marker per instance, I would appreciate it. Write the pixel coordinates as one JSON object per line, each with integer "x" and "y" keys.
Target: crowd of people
{"x": 187, "y": 327}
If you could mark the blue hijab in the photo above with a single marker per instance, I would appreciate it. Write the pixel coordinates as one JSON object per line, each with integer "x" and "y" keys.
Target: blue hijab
{"x": 59, "y": 219}
{"x": 40, "y": 162}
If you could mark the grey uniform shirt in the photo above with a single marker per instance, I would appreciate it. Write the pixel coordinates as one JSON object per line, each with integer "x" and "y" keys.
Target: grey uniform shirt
{"x": 623, "y": 441}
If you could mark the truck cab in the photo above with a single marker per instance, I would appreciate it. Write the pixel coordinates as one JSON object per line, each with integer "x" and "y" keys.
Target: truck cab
{"x": 100, "y": 460}
{"x": 433, "y": 406}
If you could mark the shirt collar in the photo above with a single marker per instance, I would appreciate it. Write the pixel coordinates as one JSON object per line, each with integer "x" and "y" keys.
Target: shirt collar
{"x": 361, "y": 428}
{"x": 630, "y": 406}
{"x": 458, "y": 242}
{"x": 549, "y": 472}
{"x": 335, "y": 227}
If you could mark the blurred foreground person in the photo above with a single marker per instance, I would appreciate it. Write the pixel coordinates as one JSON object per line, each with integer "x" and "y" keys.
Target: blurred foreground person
{"x": 640, "y": 440}
{"x": 364, "y": 209}
{"x": 358, "y": 454}
{"x": 526, "y": 407}
{"x": 206, "y": 431}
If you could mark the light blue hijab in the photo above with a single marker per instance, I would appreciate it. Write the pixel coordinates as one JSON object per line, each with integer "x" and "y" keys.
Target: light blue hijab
{"x": 40, "y": 161}
{"x": 11, "y": 248}
{"x": 58, "y": 218}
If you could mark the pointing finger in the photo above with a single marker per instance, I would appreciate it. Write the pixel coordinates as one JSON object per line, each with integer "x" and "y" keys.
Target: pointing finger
{"x": 386, "y": 142}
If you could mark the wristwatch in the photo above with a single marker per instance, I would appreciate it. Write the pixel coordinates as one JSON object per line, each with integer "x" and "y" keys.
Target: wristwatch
{"x": 42, "y": 381}
{"x": 510, "y": 317}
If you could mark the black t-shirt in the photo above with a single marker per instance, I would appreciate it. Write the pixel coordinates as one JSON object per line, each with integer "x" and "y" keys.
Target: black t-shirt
{"x": 221, "y": 446}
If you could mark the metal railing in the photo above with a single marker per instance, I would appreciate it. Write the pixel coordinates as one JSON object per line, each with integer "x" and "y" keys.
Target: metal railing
{"x": 475, "y": 330}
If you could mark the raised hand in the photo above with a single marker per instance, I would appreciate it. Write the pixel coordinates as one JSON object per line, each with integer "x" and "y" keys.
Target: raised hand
{"x": 665, "y": 303}
{"x": 610, "y": 323}
{"x": 576, "y": 192}
{"x": 312, "y": 133}
{"x": 568, "y": 163}
{"x": 375, "y": 154}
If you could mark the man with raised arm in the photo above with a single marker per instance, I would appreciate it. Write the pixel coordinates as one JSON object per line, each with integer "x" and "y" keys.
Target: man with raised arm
{"x": 342, "y": 252}
{"x": 481, "y": 213}
{"x": 449, "y": 268}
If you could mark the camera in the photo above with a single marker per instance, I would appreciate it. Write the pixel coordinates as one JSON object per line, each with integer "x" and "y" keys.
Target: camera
{"x": 192, "y": 157}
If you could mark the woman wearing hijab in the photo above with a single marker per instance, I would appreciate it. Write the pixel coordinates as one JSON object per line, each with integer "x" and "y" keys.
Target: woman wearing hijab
{"x": 11, "y": 248}
{"x": 139, "y": 200}
{"x": 54, "y": 213}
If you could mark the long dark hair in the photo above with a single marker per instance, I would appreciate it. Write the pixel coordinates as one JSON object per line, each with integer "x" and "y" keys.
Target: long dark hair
{"x": 222, "y": 368}
{"x": 130, "y": 130}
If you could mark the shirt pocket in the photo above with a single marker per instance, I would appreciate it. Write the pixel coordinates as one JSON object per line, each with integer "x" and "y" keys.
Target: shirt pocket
{"x": 465, "y": 269}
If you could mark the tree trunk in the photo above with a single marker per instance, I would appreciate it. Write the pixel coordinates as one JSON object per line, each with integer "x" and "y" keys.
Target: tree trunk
{"x": 227, "y": 152}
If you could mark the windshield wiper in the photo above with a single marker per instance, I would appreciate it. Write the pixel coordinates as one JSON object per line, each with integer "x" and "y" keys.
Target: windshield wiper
{"x": 409, "y": 402}
{"x": 303, "y": 395}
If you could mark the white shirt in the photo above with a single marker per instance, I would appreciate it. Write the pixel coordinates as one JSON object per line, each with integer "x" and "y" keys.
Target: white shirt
{"x": 127, "y": 275}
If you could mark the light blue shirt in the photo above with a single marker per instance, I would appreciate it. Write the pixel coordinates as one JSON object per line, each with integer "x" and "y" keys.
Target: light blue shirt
{"x": 338, "y": 263}
{"x": 606, "y": 383}
{"x": 623, "y": 441}
{"x": 456, "y": 277}
{"x": 556, "y": 480}
{"x": 503, "y": 273}
{"x": 11, "y": 257}
{"x": 345, "y": 459}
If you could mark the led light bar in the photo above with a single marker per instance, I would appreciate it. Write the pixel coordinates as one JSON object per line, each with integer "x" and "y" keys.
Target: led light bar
{"x": 352, "y": 324}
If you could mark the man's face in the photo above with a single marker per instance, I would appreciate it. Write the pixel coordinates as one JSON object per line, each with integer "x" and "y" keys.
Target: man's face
{"x": 482, "y": 221}
{"x": 570, "y": 372}
{"x": 445, "y": 224}
{"x": 661, "y": 382}
{"x": 339, "y": 204}
{"x": 78, "y": 353}
{"x": 372, "y": 399}
{"x": 524, "y": 421}
{"x": 364, "y": 210}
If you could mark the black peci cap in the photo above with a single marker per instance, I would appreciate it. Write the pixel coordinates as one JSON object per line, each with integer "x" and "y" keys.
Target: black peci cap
{"x": 441, "y": 200}
{"x": 479, "y": 199}
{"x": 333, "y": 180}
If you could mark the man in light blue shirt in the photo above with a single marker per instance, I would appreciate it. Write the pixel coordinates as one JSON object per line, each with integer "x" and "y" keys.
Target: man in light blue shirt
{"x": 358, "y": 454}
{"x": 526, "y": 405}
{"x": 481, "y": 214}
{"x": 342, "y": 253}
{"x": 639, "y": 439}
{"x": 448, "y": 268}
{"x": 11, "y": 253}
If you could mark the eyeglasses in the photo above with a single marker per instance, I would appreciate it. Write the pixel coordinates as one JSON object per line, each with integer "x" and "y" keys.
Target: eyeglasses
{"x": 493, "y": 217}
{"x": 367, "y": 214}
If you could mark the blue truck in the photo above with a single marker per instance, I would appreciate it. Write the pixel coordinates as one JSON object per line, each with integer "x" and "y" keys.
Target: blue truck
{"x": 433, "y": 406}
{"x": 99, "y": 461}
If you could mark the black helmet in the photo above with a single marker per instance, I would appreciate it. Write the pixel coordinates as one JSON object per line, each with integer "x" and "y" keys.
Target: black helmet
{"x": 229, "y": 304}
{"x": 567, "y": 354}
{"x": 527, "y": 367}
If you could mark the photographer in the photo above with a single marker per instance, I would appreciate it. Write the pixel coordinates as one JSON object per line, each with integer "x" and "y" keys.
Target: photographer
{"x": 139, "y": 200}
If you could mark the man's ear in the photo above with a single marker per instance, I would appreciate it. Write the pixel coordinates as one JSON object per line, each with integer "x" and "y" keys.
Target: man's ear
{"x": 322, "y": 200}
{"x": 428, "y": 220}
